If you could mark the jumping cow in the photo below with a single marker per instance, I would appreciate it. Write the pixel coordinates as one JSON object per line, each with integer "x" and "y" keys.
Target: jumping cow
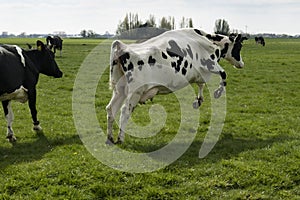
{"x": 164, "y": 64}
{"x": 19, "y": 73}
{"x": 260, "y": 40}
{"x": 54, "y": 42}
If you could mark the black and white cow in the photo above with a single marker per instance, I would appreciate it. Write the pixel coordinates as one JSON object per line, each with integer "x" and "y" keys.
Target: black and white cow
{"x": 260, "y": 40}
{"x": 19, "y": 73}
{"x": 54, "y": 42}
{"x": 164, "y": 64}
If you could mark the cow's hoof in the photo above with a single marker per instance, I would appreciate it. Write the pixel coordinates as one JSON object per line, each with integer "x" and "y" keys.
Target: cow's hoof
{"x": 218, "y": 92}
{"x": 119, "y": 141}
{"x": 37, "y": 128}
{"x": 196, "y": 104}
{"x": 110, "y": 141}
{"x": 11, "y": 138}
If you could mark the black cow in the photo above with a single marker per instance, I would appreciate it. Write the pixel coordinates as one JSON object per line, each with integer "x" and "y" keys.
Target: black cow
{"x": 54, "y": 42}
{"x": 260, "y": 40}
{"x": 19, "y": 73}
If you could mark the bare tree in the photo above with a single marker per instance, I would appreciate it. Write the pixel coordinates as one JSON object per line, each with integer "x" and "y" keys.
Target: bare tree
{"x": 186, "y": 23}
{"x": 222, "y": 27}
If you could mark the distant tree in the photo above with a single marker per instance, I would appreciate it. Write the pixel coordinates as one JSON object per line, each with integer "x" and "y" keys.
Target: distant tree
{"x": 191, "y": 25}
{"x": 83, "y": 33}
{"x": 91, "y": 34}
{"x": 182, "y": 23}
{"x": 151, "y": 21}
{"x": 167, "y": 23}
{"x": 222, "y": 27}
{"x": 131, "y": 21}
{"x": 186, "y": 23}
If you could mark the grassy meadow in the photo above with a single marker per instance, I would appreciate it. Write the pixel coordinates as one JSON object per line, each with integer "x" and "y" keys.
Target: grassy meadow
{"x": 256, "y": 157}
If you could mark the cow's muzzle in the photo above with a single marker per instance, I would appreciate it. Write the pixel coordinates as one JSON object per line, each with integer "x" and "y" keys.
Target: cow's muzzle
{"x": 58, "y": 75}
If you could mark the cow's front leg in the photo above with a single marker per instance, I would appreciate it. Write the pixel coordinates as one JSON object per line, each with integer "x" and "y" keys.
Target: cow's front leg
{"x": 200, "y": 98}
{"x": 9, "y": 116}
{"x": 33, "y": 111}
{"x": 127, "y": 109}
{"x": 218, "y": 92}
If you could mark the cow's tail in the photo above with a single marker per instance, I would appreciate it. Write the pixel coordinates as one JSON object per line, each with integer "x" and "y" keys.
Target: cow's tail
{"x": 116, "y": 71}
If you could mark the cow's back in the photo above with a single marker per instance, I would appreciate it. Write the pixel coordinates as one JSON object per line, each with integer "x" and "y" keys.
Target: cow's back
{"x": 11, "y": 70}
{"x": 172, "y": 59}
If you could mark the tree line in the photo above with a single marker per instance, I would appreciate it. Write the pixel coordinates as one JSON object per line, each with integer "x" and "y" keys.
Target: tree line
{"x": 132, "y": 21}
{"x": 128, "y": 27}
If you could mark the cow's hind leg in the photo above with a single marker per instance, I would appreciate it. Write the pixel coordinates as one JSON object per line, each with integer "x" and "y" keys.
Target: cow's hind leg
{"x": 127, "y": 109}
{"x": 221, "y": 89}
{"x": 200, "y": 98}
{"x": 112, "y": 108}
{"x": 9, "y": 115}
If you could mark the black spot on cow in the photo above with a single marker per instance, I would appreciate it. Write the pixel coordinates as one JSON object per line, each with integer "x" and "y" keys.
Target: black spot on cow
{"x": 183, "y": 71}
{"x": 115, "y": 62}
{"x": 224, "y": 50}
{"x": 140, "y": 64}
{"x": 190, "y": 52}
{"x": 123, "y": 58}
{"x": 130, "y": 67}
{"x": 217, "y": 52}
{"x": 208, "y": 63}
{"x": 151, "y": 61}
{"x": 186, "y": 64}
{"x": 164, "y": 55}
{"x": 175, "y": 66}
{"x": 224, "y": 76}
{"x": 197, "y": 56}
{"x": 175, "y": 50}
{"x": 191, "y": 65}
{"x": 212, "y": 56}
{"x": 216, "y": 38}
{"x": 198, "y": 32}
{"x": 179, "y": 62}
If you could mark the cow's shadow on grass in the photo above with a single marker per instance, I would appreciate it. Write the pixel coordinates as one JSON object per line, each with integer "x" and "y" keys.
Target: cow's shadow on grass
{"x": 20, "y": 151}
{"x": 229, "y": 147}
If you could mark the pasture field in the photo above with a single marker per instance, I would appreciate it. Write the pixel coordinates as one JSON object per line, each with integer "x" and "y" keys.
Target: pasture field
{"x": 256, "y": 157}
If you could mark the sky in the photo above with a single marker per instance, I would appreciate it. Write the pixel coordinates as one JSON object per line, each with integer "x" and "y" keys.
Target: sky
{"x": 73, "y": 16}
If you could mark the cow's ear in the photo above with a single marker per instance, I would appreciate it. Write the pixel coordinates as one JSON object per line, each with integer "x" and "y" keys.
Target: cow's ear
{"x": 40, "y": 45}
{"x": 29, "y": 46}
{"x": 244, "y": 38}
{"x": 238, "y": 38}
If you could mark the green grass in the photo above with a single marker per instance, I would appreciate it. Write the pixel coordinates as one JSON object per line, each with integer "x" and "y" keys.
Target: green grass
{"x": 256, "y": 157}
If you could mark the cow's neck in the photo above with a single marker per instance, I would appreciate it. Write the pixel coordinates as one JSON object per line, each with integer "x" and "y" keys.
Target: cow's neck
{"x": 34, "y": 64}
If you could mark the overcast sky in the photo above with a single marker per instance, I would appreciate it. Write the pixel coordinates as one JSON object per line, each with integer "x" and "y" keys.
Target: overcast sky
{"x": 72, "y": 16}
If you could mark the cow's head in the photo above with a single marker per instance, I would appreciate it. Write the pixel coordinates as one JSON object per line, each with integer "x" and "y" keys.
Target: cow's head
{"x": 47, "y": 63}
{"x": 232, "y": 50}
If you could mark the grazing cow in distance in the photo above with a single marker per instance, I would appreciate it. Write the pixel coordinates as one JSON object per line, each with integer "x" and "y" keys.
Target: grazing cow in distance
{"x": 19, "y": 74}
{"x": 54, "y": 42}
{"x": 164, "y": 64}
{"x": 260, "y": 40}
